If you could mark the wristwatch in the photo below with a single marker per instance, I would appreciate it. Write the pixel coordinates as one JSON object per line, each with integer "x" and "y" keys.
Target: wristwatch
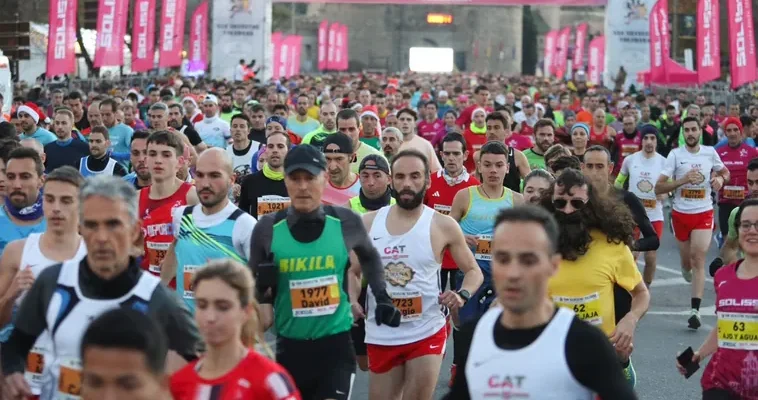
{"x": 465, "y": 295}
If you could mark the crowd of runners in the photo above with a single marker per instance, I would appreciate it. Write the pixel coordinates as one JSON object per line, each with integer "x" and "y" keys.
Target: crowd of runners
{"x": 150, "y": 236}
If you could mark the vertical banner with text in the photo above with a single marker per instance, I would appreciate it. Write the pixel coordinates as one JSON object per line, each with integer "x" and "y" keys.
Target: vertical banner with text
{"x": 294, "y": 57}
{"x": 143, "y": 36}
{"x": 172, "y": 33}
{"x": 579, "y": 43}
{"x": 561, "y": 53}
{"x": 549, "y": 60}
{"x": 596, "y": 60}
{"x": 331, "y": 46}
{"x": 338, "y": 44}
{"x": 198, "y": 48}
{"x": 111, "y": 29}
{"x": 276, "y": 46}
{"x": 741, "y": 42}
{"x": 61, "y": 43}
{"x": 323, "y": 43}
{"x": 627, "y": 41}
{"x": 345, "y": 48}
{"x": 659, "y": 41}
{"x": 708, "y": 43}
{"x": 241, "y": 30}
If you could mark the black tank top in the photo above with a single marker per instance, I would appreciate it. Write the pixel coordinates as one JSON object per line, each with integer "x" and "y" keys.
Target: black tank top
{"x": 513, "y": 177}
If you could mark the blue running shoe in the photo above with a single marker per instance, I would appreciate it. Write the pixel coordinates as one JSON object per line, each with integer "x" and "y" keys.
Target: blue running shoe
{"x": 630, "y": 374}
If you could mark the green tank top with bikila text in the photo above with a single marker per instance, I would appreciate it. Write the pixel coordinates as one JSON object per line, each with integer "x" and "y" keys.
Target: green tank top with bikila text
{"x": 311, "y": 300}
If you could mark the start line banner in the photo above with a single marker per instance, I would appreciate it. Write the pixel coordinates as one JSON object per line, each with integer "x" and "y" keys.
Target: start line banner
{"x": 461, "y": 2}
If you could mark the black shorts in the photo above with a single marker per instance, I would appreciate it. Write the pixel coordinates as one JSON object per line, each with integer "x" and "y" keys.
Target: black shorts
{"x": 719, "y": 394}
{"x": 322, "y": 368}
{"x": 358, "y": 332}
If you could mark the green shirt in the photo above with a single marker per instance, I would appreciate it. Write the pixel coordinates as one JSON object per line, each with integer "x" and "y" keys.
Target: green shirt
{"x": 311, "y": 300}
{"x": 363, "y": 151}
{"x": 317, "y": 137}
{"x": 372, "y": 141}
{"x": 732, "y": 235}
{"x": 535, "y": 160}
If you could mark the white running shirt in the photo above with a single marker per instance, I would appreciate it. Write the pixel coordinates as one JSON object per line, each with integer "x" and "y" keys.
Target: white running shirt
{"x": 214, "y": 131}
{"x": 643, "y": 173}
{"x": 693, "y": 199}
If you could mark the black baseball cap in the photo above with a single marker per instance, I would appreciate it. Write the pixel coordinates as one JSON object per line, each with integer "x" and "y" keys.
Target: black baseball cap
{"x": 344, "y": 143}
{"x": 304, "y": 157}
{"x": 374, "y": 162}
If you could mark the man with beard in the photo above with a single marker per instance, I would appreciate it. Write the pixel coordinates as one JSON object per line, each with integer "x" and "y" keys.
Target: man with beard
{"x": 120, "y": 135}
{"x": 643, "y": 169}
{"x": 23, "y": 202}
{"x": 328, "y": 118}
{"x": 226, "y": 108}
{"x": 349, "y": 124}
{"x": 729, "y": 251}
{"x": 93, "y": 116}
{"x": 411, "y": 141}
{"x": 264, "y": 191}
{"x": 225, "y": 228}
{"x": 30, "y": 118}
{"x": 628, "y": 142}
{"x": 99, "y": 161}
{"x": 300, "y": 123}
{"x": 240, "y": 95}
{"x": 595, "y": 243}
{"x": 692, "y": 172}
{"x": 507, "y": 340}
{"x": 178, "y": 122}
{"x": 140, "y": 177}
{"x": 65, "y": 150}
{"x": 213, "y": 130}
{"x": 405, "y": 361}
{"x": 544, "y": 136}
{"x": 313, "y": 326}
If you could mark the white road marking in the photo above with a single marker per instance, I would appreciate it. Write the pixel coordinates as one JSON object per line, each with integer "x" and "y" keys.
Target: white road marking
{"x": 673, "y": 271}
{"x": 704, "y": 312}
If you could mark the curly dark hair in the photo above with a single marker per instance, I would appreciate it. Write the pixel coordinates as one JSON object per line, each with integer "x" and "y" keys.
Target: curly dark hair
{"x": 604, "y": 213}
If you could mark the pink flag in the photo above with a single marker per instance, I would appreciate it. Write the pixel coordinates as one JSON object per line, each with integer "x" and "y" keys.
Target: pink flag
{"x": 172, "y": 33}
{"x": 284, "y": 53}
{"x": 549, "y": 60}
{"x": 562, "y": 52}
{"x": 143, "y": 36}
{"x": 331, "y": 47}
{"x": 596, "y": 60}
{"x": 659, "y": 41}
{"x": 579, "y": 41}
{"x": 61, "y": 50}
{"x": 741, "y": 42}
{"x": 345, "y": 48}
{"x": 198, "y": 49}
{"x": 323, "y": 43}
{"x": 111, "y": 29}
{"x": 297, "y": 50}
{"x": 339, "y": 43}
{"x": 276, "y": 45}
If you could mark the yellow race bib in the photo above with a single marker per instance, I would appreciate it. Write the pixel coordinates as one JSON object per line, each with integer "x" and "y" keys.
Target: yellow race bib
{"x": 587, "y": 308}
{"x": 738, "y": 331}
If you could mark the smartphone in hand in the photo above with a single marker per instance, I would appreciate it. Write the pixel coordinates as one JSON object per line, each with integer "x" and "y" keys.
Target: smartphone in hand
{"x": 685, "y": 360}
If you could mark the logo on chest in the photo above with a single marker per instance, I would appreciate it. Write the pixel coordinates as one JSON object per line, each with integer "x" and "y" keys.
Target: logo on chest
{"x": 398, "y": 274}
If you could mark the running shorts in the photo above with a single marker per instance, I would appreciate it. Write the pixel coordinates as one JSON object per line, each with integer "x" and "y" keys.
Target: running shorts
{"x": 657, "y": 225}
{"x": 382, "y": 359}
{"x": 684, "y": 224}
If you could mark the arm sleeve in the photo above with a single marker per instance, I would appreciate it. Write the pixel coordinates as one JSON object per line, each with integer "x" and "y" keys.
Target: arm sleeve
{"x": 649, "y": 240}
{"x": 593, "y": 362}
{"x": 621, "y": 179}
{"x": 177, "y": 322}
{"x": 244, "y": 200}
{"x": 119, "y": 170}
{"x": 356, "y": 239}
{"x": 260, "y": 245}
{"x": 732, "y": 234}
{"x": 192, "y": 135}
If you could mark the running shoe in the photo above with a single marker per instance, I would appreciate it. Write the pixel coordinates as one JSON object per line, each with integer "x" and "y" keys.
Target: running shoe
{"x": 687, "y": 275}
{"x": 694, "y": 321}
{"x": 719, "y": 239}
{"x": 630, "y": 374}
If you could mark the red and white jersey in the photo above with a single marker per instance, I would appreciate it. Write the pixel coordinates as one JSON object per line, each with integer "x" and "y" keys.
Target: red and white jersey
{"x": 157, "y": 225}
{"x": 643, "y": 173}
{"x": 412, "y": 273}
{"x": 693, "y": 198}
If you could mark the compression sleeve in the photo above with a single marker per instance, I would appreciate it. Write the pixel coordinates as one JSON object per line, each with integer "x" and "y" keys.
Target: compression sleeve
{"x": 594, "y": 363}
{"x": 649, "y": 239}
{"x": 356, "y": 239}
{"x": 259, "y": 249}
{"x": 620, "y": 180}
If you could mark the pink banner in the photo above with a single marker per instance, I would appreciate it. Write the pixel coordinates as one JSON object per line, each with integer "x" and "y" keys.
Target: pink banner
{"x": 579, "y": 42}
{"x": 741, "y": 42}
{"x": 111, "y": 29}
{"x": 549, "y": 60}
{"x": 331, "y": 48}
{"x": 659, "y": 41}
{"x": 461, "y": 2}
{"x": 339, "y": 43}
{"x": 172, "y": 33}
{"x": 198, "y": 49}
{"x": 596, "y": 60}
{"x": 61, "y": 50}
{"x": 293, "y": 68}
{"x": 345, "y": 48}
{"x": 561, "y": 53}
{"x": 323, "y": 43}
{"x": 708, "y": 43}
{"x": 276, "y": 45}
{"x": 143, "y": 36}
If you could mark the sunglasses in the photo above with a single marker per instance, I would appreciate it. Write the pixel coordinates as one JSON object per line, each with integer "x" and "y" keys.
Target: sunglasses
{"x": 577, "y": 204}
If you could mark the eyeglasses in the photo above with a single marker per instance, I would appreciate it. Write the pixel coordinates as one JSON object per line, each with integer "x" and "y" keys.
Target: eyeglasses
{"x": 577, "y": 204}
{"x": 746, "y": 225}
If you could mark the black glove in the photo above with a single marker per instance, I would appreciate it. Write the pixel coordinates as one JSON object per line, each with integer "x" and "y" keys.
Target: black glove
{"x": 386, "y": 313}
{"x": 715, "y": 265}
{"x": 266, "y": 279}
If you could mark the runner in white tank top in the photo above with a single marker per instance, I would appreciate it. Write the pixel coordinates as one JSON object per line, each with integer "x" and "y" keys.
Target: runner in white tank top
{"x": 404, "y": 362}
{"x": 25, "y": 259}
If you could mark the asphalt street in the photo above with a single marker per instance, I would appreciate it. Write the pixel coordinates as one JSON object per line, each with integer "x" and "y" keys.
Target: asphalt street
{"x": 660, "y": 335}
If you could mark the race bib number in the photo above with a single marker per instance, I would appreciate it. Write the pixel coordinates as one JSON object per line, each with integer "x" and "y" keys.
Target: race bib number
{"x": 734, "y": 192}
{"x": 587, "y": 308}
{"x": 70, "y": 379}
{"x": 649, "y": 203}
{"x": 738, "y": 331}
{"x": 628, "y": 149}
{"x": 270, "y": 204}
{"x": 315, "y": 297}
{"x": 409, "y": 304}
{"x": 442, "y": 209}
{"x": 693, "y": 194}
{"x": 483, "y": 247}
{"x": 189, "y": 276}
{"x": 35, "y": 365}
{"x": 156, "y": 252}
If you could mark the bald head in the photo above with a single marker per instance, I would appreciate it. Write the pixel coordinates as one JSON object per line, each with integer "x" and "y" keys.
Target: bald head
{"x": 215, "y": 159}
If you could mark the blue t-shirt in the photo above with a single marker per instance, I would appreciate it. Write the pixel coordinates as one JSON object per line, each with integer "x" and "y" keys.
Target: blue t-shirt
{"x": 42, "y": 135}
{"x": 121, "y": 138}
